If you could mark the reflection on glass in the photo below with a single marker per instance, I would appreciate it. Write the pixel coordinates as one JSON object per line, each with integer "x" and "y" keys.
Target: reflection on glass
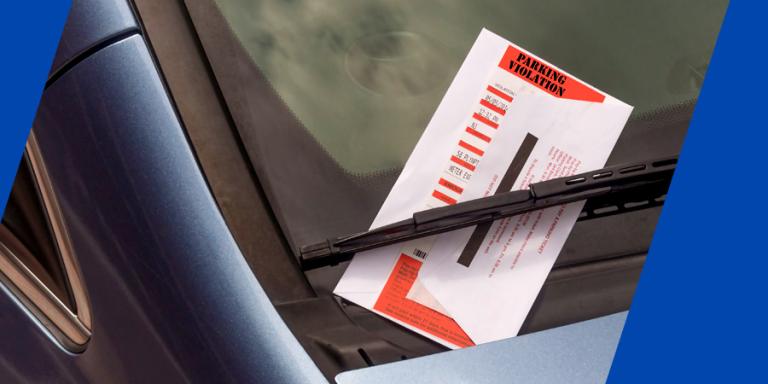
{"x": 364, "y": 77}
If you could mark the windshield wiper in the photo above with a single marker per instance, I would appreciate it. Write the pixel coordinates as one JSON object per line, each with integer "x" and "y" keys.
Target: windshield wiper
{"x": 619, "y": 188}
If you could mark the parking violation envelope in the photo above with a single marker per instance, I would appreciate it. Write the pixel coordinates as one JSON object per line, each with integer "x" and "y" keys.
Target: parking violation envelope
{"x": 508, "y": 119}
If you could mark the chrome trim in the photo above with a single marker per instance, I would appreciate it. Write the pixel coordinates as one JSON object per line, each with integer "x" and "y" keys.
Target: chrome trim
{"x": 72, "y": 329}
{"x": 38, "y": 298}
{"x": 61, "y": 237}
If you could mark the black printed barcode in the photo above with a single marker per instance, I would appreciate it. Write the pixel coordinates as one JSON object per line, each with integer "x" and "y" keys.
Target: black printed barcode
{"x": 419, "y": 253}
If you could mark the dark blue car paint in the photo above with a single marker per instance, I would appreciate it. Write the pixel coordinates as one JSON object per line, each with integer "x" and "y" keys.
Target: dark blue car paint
{"x": 90, "y": 23}
{"x": 172, "y": 298}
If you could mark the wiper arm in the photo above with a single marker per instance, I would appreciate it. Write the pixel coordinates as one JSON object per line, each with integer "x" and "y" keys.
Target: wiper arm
{"x": 628, "y": 183}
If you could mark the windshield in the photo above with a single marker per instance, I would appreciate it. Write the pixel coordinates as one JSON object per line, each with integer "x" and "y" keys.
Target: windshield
{"x": 327, "y": 99}
{"x": 331, "y": 97}
{"x": 364, "y": 77}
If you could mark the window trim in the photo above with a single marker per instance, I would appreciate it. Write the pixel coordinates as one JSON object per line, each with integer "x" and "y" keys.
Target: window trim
{"x": 71, "y": 328}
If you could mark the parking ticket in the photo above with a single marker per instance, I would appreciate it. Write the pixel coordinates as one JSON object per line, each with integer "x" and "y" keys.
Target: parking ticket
{"x": 508, "y": 119}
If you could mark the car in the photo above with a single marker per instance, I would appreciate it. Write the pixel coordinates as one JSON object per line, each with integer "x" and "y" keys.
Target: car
{"x": 184, "y": 151}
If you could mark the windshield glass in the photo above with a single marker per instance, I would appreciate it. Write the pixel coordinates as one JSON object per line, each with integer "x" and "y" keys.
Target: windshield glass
{"x": 331, "y": 97}
{"x": 365, "y": 76}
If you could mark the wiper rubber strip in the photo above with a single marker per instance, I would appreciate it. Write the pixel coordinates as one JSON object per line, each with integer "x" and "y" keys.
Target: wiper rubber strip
{"x": 639, "y": 182}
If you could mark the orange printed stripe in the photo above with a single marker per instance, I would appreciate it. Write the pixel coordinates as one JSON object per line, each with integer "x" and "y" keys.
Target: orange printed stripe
{"x": 499, "y": 93}
{"x": 479, "y": 135}
{"x": 393, "y": 302}
{"x": 451, "y": 186}
{"x": 445, "y": 198}
{"x": 462, "y": 163}
{"x": 471, "y": 148}
{"x": 484, "y": 120}
{"x": 487, "y": 104}
{"x": 525, "y": 66}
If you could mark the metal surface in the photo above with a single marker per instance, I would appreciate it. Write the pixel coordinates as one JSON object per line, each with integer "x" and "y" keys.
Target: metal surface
{"x": 56, "y": 221}
{"x": 227, "y": 169}
{"x": 49, "y": 310}
{"x": 172, "y": 297}
{"x": 91, "y": 22}
{"x": 578, "y": 353}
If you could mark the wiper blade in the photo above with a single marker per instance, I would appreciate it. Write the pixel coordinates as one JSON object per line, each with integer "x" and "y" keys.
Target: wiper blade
{"x": 629, "y": 183}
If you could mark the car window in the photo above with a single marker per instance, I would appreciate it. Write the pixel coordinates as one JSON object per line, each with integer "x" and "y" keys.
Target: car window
{"x": 365, "y": 76}
{"x": 329, "y": 98}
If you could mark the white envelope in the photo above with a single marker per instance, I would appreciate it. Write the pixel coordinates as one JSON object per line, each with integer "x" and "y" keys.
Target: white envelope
{"x": 489, "y": 115}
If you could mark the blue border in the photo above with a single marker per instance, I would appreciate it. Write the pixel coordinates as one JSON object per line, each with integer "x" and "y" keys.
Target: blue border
{"x": 698, "y": 315}
{"x": 29, "y": 35}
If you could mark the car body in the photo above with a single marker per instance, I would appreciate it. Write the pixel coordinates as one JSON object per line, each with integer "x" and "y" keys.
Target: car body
{"x": 162, "y": 226}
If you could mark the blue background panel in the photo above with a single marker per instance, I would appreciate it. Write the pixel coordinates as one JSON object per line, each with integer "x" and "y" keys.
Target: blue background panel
{"x": 699, "y": 311}
{"x": 29, "y": 34}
